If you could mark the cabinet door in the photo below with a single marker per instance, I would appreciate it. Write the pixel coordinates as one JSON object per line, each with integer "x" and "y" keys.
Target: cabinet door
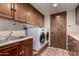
{"x": 30, "y": 14}
{"x": 5, "y": 10}
{"x": 76, "y": 47}
{"x": 73, "y": 46}
{"x": 10, "y": 50}
{"x": 33, "y": 17}
{"x": 37, "y": 18}
{"x": 27, "y": 47}
{"x": 20, "y": 12}
{"x": 70, "y": 46}
{"x": 26, "y": 6}
{"x": 41, "y": 20}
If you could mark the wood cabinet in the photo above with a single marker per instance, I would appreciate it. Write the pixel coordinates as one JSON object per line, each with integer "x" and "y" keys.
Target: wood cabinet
{"x": 77, "y": 15}
{"x": 27, "y": 47}
{"x": 10, "y": 50}
{"x": 5, "y": 10}
{"x": 73, "y": 46}
{"x": 22, "y": 48}
{"x": 33, "y": 16}
{"x": 28, "y": 14}
{"x": 23, "y": 12}
{"x": 19, "y": 12}
{"x": 41, "y": 20}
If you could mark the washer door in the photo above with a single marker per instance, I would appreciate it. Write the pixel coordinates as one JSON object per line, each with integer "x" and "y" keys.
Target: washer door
{"x": 42, "y": 38}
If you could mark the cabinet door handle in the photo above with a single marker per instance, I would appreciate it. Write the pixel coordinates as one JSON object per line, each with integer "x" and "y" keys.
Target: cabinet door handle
{"x": 22, "y": 51}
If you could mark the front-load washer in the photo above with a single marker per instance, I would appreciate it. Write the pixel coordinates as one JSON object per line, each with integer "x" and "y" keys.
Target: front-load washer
{"x": 38, "y": 37}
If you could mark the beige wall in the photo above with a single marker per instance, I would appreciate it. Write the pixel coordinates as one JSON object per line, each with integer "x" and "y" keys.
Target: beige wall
{"x": 71, "y": 20}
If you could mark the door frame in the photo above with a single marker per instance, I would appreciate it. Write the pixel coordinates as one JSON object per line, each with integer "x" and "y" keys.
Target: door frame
{"x": 65, "y": 25}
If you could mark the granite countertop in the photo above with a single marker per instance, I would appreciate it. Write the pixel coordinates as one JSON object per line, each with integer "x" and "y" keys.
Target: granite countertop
{"x": 7, "y": 42}
{"x": 74, "y": 34}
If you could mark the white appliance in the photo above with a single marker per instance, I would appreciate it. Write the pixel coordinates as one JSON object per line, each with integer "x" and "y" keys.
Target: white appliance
{"x": 38, "y": 34}
{"x": 46, "y": 35}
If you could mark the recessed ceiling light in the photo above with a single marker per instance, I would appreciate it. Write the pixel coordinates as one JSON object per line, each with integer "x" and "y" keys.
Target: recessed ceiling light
{"x": 55, "y": 5}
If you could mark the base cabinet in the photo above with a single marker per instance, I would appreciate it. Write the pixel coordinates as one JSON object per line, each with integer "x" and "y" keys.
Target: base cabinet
{"x": 27, "y": 47}
{"x": 10, "y": 50}
{"x": 23, "y": 48}
{"x": 73, "y": 46}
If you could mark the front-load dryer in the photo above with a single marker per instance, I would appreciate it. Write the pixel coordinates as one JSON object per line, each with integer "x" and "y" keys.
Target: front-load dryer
{"x": 38, "y": 37}
{"x": 46, "y": 35}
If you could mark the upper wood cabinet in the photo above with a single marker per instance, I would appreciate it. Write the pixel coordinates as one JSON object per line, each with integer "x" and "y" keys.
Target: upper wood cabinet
{"x": 19, "y": 12}
{"x": 33, "y": 16}
{"x": 5, "y": 10}
{"x": 29, "y": 14}
{"x": 23, "y": 12}
{"x": 77, "y": 15}
{"x": 41, "y": 20}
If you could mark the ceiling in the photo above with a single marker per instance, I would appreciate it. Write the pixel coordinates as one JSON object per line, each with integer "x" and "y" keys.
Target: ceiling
{"x": 47, "y": 8}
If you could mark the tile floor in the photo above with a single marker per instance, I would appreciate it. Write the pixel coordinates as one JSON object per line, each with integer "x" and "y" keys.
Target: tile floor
{"x": 51, "y": 51}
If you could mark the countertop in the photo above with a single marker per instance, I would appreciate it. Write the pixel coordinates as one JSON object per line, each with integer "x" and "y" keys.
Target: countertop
{"x": 74, "y": 34}
{"x": 14, "y": 41}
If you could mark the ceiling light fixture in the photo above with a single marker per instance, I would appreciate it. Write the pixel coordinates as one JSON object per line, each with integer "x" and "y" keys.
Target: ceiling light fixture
{"x": 55, "y": 5}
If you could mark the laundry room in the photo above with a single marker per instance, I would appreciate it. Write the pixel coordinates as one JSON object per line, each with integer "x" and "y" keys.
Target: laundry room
{"x": 39, "y": 29}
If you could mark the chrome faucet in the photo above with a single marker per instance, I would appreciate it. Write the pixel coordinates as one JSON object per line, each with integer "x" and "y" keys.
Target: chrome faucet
{"x": 9, "y": 35}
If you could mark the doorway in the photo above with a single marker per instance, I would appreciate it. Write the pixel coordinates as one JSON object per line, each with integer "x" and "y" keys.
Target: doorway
{"x": 58, "y": 30}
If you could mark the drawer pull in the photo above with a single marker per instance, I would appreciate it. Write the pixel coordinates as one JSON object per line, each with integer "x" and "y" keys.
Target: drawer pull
{"x": 20, "y": 53}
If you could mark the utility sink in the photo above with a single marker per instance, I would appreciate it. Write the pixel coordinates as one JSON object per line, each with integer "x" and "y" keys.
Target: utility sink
{"x": 3, "y": 41}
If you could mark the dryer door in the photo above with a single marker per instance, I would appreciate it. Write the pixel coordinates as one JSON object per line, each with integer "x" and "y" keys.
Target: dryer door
{"x": 47, "y": 36}
{"x": 42, "y": 38}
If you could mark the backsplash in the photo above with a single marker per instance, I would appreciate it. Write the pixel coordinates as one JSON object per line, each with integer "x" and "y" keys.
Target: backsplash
{"x": 7, "y": 26}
